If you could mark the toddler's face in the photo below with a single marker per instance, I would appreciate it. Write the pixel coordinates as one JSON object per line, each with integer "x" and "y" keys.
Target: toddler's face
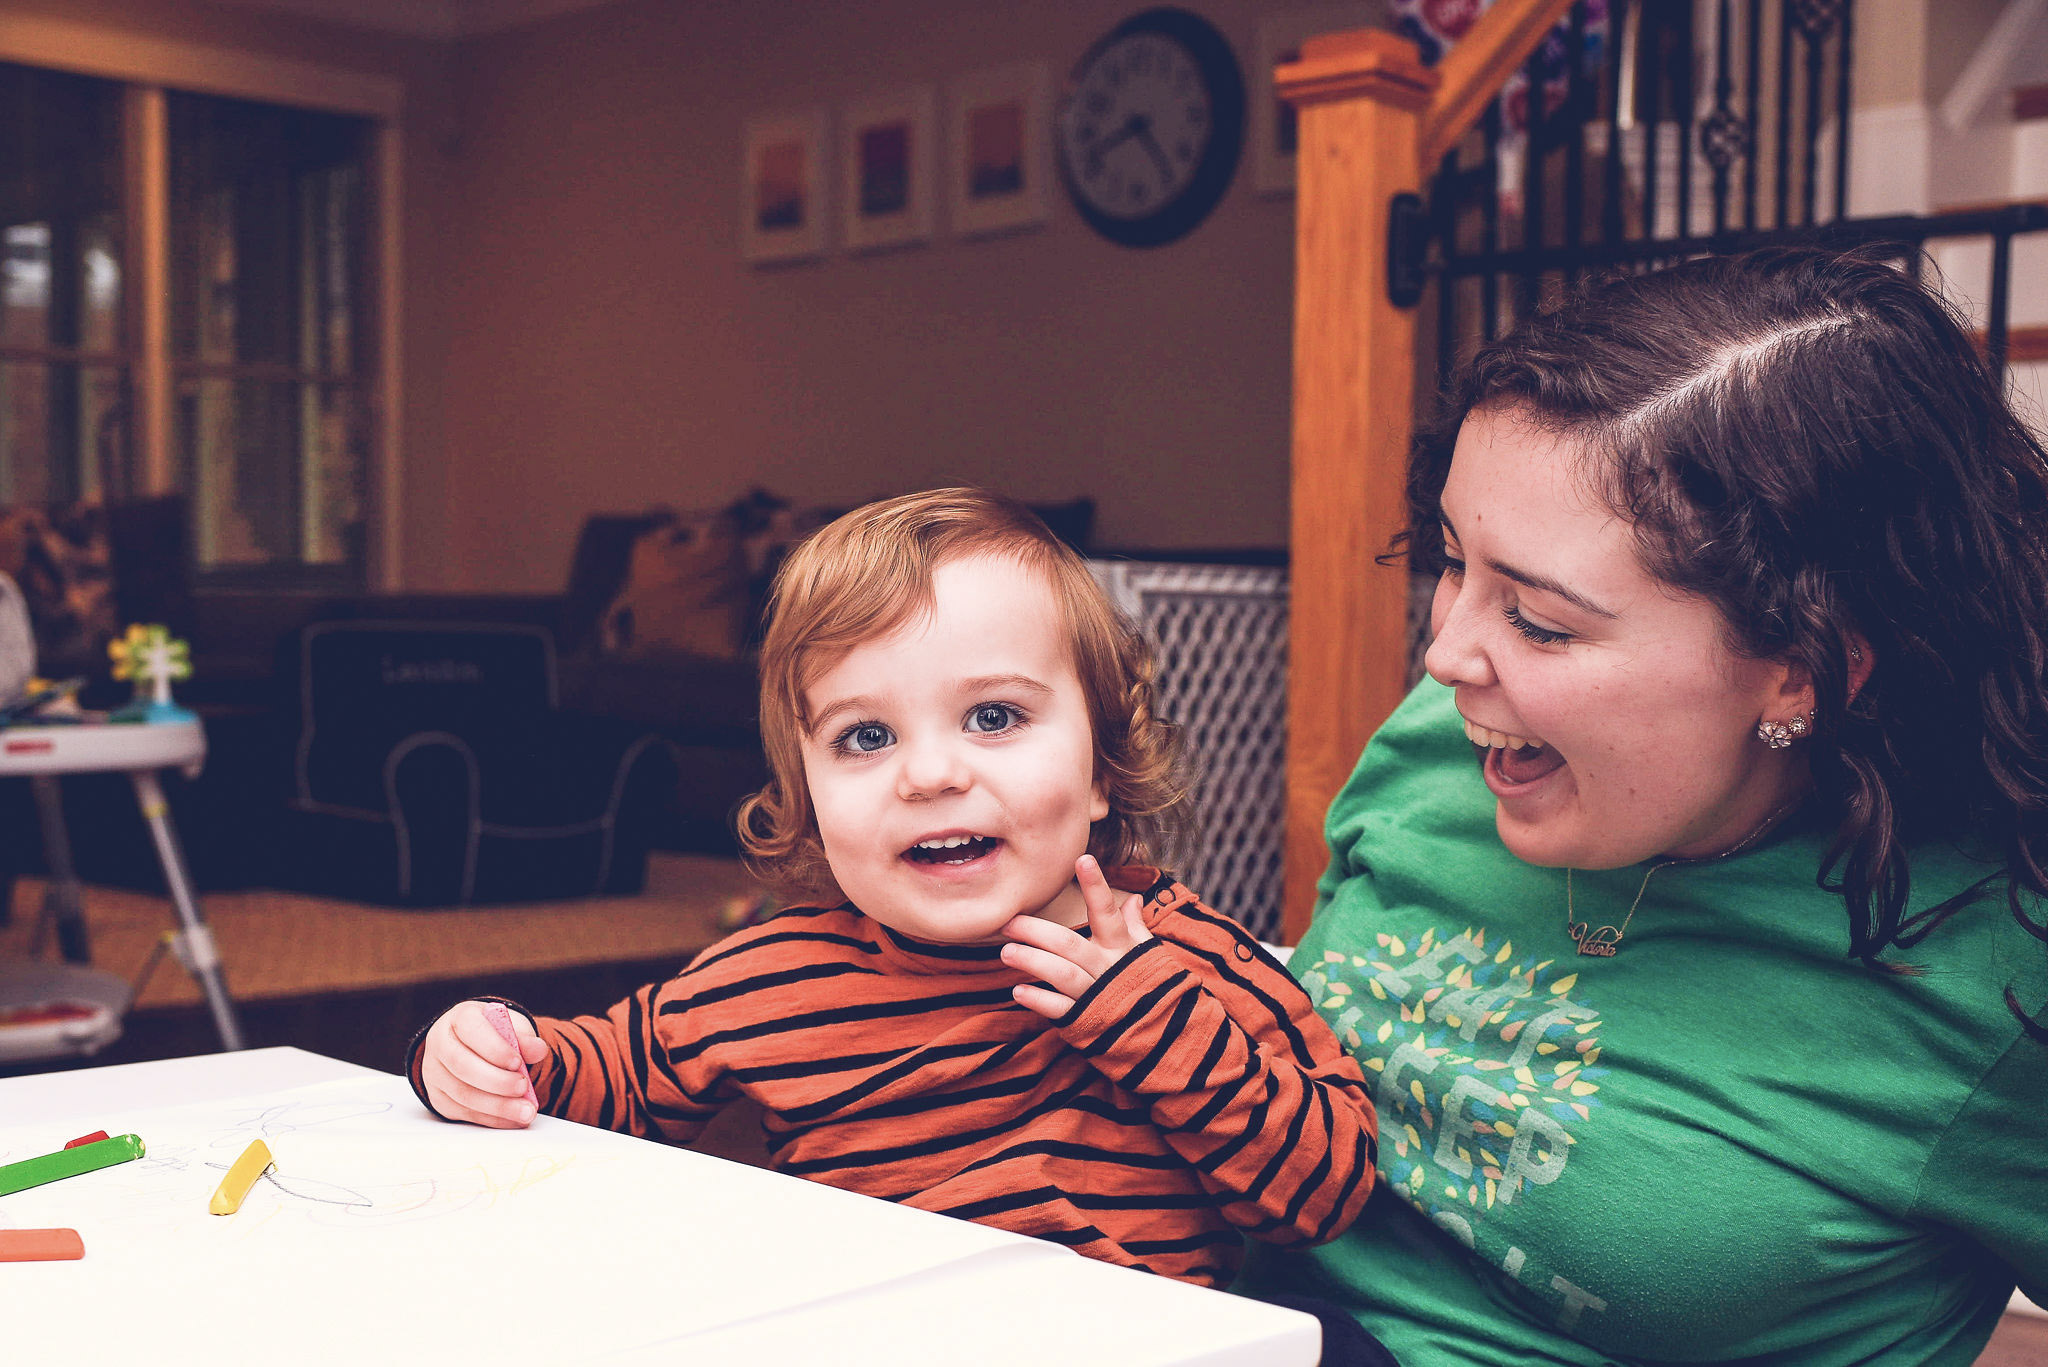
{"x": 951, "y": 765}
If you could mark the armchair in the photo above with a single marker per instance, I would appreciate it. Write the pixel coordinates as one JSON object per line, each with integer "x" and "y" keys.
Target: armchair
{"x": 434, "y": 768}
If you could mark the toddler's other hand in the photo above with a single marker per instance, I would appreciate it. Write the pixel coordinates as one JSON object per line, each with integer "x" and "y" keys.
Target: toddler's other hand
{"x": 1069, "y": 963}
{"x": 472, "y": 1074}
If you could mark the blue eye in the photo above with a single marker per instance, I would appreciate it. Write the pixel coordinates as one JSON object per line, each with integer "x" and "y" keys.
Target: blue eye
{"x": 992, "y": 717}
{"x": 864, "y": 738}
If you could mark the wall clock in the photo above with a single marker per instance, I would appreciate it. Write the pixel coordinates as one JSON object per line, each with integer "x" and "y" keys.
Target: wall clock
{"x": 1151, "y": 126}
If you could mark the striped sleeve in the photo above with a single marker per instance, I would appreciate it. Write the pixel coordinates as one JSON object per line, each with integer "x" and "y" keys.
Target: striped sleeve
{"x": 1247, "y": 1083}
{"x": 657, "y": 1064}
{"x": 613, "y": 1070}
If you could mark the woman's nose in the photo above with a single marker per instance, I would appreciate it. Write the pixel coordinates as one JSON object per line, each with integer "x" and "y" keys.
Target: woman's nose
{"x": 930, "y": 766}
{"x": 1457, "y": 654}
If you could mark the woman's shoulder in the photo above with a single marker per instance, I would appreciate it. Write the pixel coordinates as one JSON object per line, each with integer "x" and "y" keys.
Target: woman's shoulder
{"x": 1966, "y": 926}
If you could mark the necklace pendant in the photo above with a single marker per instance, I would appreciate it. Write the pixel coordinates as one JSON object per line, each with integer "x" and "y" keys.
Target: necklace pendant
{"x": 1594, "y": 944}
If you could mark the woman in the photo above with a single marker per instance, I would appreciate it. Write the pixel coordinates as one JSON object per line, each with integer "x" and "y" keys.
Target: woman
{"x": 1708, "y": 1010}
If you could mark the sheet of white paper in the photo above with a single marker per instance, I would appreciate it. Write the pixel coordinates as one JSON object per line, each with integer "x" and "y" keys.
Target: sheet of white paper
{"x": 383, "y": 1232}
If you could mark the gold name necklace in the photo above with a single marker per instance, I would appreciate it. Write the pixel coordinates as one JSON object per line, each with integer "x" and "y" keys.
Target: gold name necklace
{"x": 1601, "y": 943}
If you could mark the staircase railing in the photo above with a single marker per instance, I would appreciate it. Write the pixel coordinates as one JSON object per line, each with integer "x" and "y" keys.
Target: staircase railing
{"x": 1642, "y": 145}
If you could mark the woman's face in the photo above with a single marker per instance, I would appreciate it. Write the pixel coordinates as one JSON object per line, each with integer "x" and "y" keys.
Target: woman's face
{"x": 1636, "y": 723}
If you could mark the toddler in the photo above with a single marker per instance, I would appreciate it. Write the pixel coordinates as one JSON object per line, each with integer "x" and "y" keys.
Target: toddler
{"x": 985, "y": 1007}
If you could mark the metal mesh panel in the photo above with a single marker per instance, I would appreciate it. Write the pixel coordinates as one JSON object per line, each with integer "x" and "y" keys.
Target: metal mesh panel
{"x": 1221, "y": 636}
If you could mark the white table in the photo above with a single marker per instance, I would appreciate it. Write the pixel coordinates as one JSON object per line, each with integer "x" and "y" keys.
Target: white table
{"x": 141, "y": 750}
{"x": 560, "y": 1243}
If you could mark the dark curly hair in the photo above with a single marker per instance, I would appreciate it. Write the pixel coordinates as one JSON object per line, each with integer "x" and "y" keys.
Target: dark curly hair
{"x": 1810, "y": 441}
{"x": 865, "y": 575}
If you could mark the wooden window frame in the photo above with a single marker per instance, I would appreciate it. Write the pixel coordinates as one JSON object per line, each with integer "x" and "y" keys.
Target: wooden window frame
{"x": 148, "y": 66}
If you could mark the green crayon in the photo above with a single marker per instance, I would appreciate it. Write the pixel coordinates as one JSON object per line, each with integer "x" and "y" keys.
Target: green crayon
{"x": 51, "y": 1167}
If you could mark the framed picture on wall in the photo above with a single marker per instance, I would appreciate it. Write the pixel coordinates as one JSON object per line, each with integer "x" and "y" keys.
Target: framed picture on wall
{"x": 886, "y": 168}
{"x": 998, "y": 148}
{"x": 1272, "y": 122}
{"x": 782, "y": 186}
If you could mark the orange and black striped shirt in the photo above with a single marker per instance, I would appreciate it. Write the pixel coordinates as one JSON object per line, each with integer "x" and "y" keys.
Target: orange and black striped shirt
{"x": 1191, "y": 1094}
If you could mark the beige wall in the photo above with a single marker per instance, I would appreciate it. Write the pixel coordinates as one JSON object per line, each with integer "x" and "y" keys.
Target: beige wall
{"x": 1911, "y": 51}
{"x": 609, "y": 349}
{"x": 581, "y": 334}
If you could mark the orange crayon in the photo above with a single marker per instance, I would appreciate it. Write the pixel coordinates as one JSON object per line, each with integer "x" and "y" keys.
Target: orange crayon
{"x": 40, "y": 1245}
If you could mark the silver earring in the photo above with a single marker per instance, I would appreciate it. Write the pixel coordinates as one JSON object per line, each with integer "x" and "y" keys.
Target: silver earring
{"x": 1779, "y": 735}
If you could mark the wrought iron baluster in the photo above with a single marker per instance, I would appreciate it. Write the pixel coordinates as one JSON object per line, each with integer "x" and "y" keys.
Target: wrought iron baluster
{"x": 1781, "y": 173}
{"x": 1721, "y": 136}
{"x": 1621, "y": 21}
{"x": 1444, "y": 197}
{"x": 1575, "y": 107}
{"x": 1684, "y": 102}
{"x": 1753, "y": 37}
{"x": 1815, "y": 18}
{"x": 1489, "y": 280}
{"x": 1995, "y": 327}
{"x": 1651, "y": 73}
{"x": 1532, "y": 179}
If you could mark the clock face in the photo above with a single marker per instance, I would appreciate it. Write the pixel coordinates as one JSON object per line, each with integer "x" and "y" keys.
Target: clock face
{"x": 1151, "y": 127}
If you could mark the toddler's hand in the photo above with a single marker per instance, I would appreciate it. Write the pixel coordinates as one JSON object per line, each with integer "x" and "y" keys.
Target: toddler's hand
{"x": 472, "y": 1074}
{"x": 1066, "y": 962}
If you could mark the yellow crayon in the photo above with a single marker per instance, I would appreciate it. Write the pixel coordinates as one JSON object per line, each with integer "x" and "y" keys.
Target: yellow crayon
{"x": 227, "y": 1199}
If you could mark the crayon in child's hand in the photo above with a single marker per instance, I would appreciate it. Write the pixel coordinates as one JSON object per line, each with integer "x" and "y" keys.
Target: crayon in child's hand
{"x": 500, "y": 1017}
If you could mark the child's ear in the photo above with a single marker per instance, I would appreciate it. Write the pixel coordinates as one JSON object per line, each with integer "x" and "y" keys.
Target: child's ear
{"x": 1098, "y": 801}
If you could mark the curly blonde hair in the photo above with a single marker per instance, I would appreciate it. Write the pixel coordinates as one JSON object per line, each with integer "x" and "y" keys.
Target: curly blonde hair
{"x": 861, "y": 578}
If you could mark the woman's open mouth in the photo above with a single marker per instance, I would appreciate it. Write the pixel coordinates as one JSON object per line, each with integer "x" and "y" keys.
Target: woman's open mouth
{"x": 952, "y": 851}
{"x": 1512, "y": 761}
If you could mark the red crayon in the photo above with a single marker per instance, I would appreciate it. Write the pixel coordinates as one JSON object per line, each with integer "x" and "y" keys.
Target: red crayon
{"x": 501, "y": 1019}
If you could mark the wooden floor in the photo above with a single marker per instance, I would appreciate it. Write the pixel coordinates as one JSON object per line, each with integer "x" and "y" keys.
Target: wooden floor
{"x": 355, "y": 981}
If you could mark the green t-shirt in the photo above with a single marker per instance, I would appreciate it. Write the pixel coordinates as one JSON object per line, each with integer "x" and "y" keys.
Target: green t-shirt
{"x": 1727, "y": 1142}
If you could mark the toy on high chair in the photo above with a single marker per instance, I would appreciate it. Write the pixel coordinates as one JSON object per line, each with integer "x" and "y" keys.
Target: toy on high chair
{"x": 152, "y": 657}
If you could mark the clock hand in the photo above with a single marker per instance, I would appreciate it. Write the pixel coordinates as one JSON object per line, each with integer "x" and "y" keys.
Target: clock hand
{"x": 1132, "y": 127}
{"x": 1143, "y": 130}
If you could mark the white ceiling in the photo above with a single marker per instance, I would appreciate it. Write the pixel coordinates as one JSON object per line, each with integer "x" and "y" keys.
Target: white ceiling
{"x": 423, "y": 18}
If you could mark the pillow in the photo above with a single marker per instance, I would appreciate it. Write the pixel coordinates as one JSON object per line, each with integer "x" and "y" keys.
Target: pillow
{"x": 685, "y": 590}
{"x": 60, "y": 559}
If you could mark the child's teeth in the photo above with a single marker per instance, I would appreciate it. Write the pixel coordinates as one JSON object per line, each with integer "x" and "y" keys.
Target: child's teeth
{"x": 949, "y": 842}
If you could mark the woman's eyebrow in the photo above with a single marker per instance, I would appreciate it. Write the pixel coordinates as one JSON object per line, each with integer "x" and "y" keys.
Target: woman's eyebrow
{"x": 1544, "y": 584}
{"x": 1530, "y": 580}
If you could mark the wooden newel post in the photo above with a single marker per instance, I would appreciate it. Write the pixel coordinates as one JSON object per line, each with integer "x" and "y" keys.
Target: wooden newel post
{"x": 1362, "y": 97}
